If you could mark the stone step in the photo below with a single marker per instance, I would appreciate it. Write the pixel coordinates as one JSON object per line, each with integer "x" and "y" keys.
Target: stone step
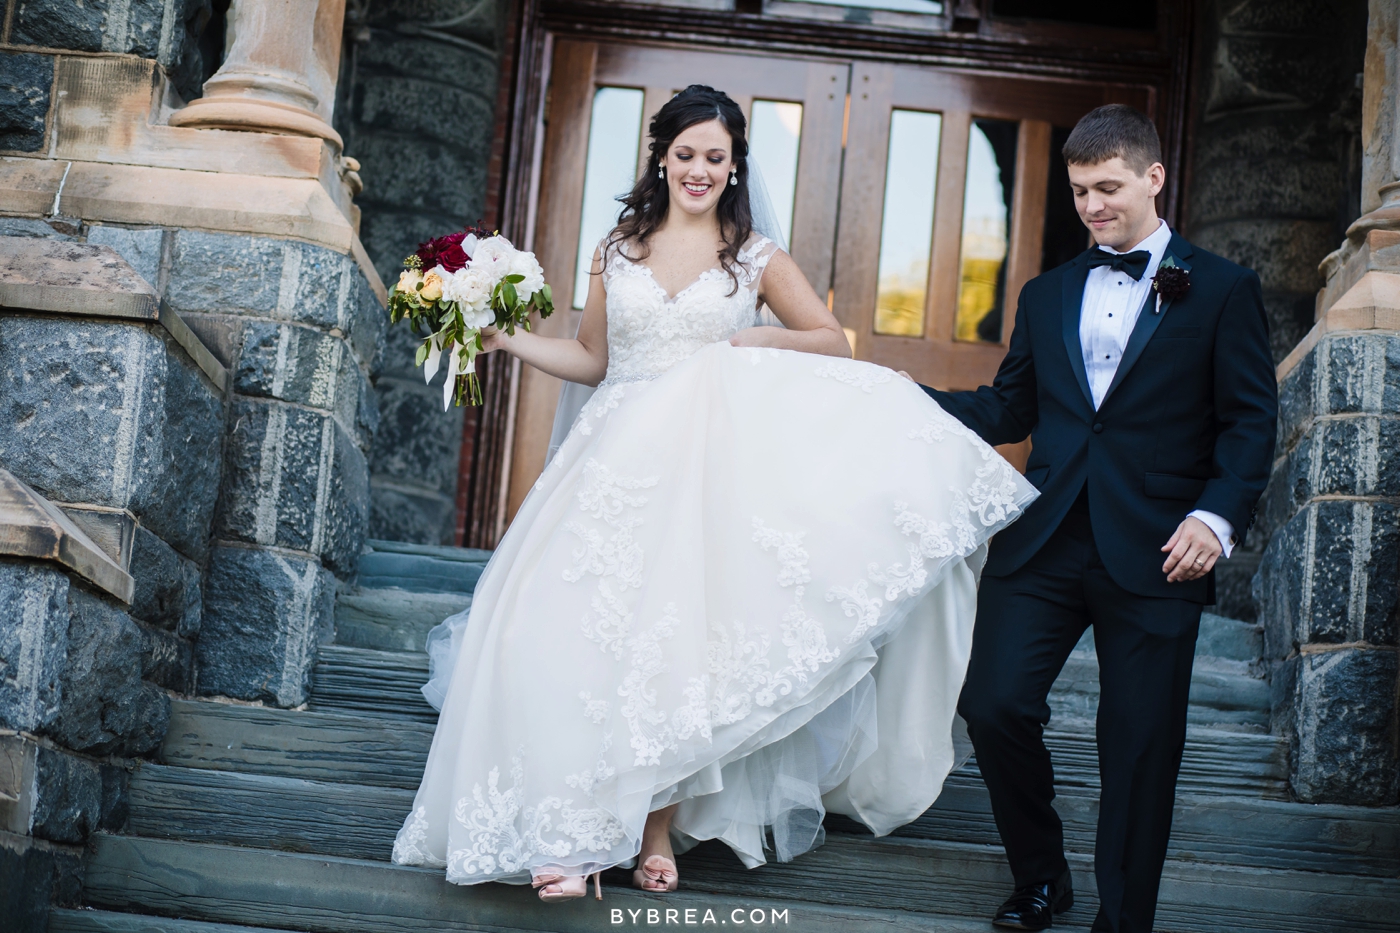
{"x": 105, "y": 921}
{"x": 921, "y": 884}
{"x": 341, "y": 747}
{"x": 366, "y": 749}
{"x": 392, "y": 619}
{"x": 360, "y": 821}
{"x": 385, "y": 683}
{"x": 1223, "y": 695}
{"x": 421, "y": 568}
{"x": 262, "y": 888}
{"x": 1231, "y": 639}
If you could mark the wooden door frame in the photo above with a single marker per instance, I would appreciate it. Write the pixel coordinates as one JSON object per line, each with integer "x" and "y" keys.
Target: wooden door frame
{"x": 1160, "y": 62}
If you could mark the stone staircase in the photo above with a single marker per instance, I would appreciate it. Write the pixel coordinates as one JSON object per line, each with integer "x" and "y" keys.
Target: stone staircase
{"x": 284, "y": 819}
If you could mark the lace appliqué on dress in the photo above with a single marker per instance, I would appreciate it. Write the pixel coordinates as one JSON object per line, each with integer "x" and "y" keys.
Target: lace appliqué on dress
{"x": 864, "y": 376}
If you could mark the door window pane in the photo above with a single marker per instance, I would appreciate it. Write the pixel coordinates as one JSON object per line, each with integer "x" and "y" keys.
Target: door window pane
{"x": 906, "y": 230}
{"x": 614, "y": 135}
{"x": 774, "y": 134}
{"x": 908, "y": 6}
{"x": 986, "y": 229}
{"x": 1064, "y": 235}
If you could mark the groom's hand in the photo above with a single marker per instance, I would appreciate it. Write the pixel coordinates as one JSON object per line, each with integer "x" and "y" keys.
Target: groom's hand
{"x": 1191, "y": 552}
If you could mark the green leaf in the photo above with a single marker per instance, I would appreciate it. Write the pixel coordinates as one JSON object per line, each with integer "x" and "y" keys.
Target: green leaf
{"x": 508, "y": 293}
{"x": 421, "y": 356}
{"x": 514, "y": 277}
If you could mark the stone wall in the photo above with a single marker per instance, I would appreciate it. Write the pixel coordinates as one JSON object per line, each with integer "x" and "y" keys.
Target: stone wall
{"x": 418, "y": 98}
{"x": 1275, "y": 169}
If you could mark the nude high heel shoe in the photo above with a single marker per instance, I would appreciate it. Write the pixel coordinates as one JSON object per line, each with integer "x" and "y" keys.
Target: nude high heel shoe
{"x": 657, "y": 874}
{"x": 556, "y": 887}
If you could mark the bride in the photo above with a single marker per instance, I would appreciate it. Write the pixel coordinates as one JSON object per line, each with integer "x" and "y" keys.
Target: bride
{"x": 740, "y": 595}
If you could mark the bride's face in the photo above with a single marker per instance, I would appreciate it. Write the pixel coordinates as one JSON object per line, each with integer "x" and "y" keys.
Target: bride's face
{"x": 697, "y": 166}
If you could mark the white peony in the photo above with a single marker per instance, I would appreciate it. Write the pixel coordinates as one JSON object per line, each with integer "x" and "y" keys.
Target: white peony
{"x": 525, "y": 264}
{"x": 492, "y": 258}
{"x": 469, "y": 288}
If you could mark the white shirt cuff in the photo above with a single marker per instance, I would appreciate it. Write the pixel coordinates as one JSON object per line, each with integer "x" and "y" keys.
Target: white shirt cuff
{"x": 1223, "y": 529}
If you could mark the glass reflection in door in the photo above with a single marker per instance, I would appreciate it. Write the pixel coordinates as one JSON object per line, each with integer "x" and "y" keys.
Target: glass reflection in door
{"x": 775, "y": 133}
{"x": 906, "y": 227}
{"x": 614, "y": 135}
{"x": 986, "y": 229}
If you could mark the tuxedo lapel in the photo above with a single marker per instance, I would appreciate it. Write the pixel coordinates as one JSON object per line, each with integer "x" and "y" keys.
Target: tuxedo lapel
{"x": 1072, "y": 298}
{"x": 1150, "y": 318}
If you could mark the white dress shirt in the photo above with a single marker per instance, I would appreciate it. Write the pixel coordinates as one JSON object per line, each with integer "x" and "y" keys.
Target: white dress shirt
{"x": 1112, "y": 303}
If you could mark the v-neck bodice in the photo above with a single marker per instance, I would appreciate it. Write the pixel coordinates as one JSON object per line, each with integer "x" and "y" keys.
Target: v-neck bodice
{"x": 650, "y": 331}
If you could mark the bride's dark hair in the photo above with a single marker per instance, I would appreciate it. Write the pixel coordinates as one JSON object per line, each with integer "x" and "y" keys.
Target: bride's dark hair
{"x": 644, "y": 208}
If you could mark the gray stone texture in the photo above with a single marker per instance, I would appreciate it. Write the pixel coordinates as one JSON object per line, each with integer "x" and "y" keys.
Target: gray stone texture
{"x": 33, "y": 644}
{"x": 107, "y": 709}
{"x": 68, "y": 796}
{"x": 1275, "y": 160}
{"x": 128, "y": 26}
{"x": 27, "y": 226}
{"x": 167, "y": 660}
{"x": 293, "y": 478}
{"x": 167, "y": 586}
{"x": 26, "y": 81}
{"x": 116, "y": 798}
{"x": 1338, "y": 708}
{"x": 265, "y": 613}
{"x": 141, "y": 247}
{"x": 399, "y": 514}
{"x": 278, "y": 279}
{"x": 150, "y": 421}
{"x": 304, "y": 365}
{"x": 1331, "y": 576}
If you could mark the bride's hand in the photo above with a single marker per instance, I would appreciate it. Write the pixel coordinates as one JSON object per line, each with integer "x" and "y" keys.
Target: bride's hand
{"x": 493, "y": 339}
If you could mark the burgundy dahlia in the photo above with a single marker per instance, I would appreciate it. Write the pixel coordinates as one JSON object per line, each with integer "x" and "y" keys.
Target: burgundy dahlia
{"x": 1171, "y": 282}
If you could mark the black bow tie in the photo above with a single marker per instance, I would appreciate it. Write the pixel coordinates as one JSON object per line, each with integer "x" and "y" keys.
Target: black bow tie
{"x": 1134, "y": 263}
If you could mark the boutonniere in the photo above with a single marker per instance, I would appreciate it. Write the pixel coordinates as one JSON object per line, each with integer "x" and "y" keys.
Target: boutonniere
{"x": 1170, "y": 283}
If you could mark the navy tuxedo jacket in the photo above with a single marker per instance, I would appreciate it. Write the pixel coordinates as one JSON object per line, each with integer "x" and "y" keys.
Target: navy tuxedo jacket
{"x": 1188, "y": 421}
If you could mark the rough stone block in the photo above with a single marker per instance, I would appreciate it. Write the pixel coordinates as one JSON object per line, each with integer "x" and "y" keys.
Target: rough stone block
{"x": 1330, "y": 576}
{"x": 368, "y": 320}
{"x": 26, "y": 81}
{"x": 398, "y": 514}
{"x": 1343, "y": 743}
{"x": 150, "y": 422}
{"x": 167, "y": 586}
{"x": 1297, "y": 405}
{"x": 26, "y": 883}
{"x": 1234, "y": 589}
{"x": 397, "y": 170}
{"x": 1358, "y": 373}
{"x": 216, "y": 272}
{"x": 390, "y": 233}
{"x": 306, "y": 366}
{"x": 294, "y": 479}
{"x": 393, "y": 55}
{"x": 68, "y": 796}
{"x": 1255, "y": 71}
{"x": 167, "y": 660}
{"x": 280, "y": 279}
{"x": 264, "y": 615}
{"x": 411, "y": 106}
{"x": 28, "y": 226}
{"x": 33, "y": 644}
{"x": 1283, "y": 252}
{"x": 1348, "y": 456}
{"x": 107, "y": 708}
{"x": 58, "y": 24}
{"x": 139, "y": 246}
{"x": 417, "y": 444}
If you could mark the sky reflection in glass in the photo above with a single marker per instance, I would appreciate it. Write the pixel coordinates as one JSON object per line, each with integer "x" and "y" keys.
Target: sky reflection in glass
{"x": 614, "y": 135}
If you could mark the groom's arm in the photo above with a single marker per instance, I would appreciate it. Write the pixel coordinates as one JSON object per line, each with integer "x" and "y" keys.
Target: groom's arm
{"x": 1005, "y": 411}
{"x": 1246, "y": 407}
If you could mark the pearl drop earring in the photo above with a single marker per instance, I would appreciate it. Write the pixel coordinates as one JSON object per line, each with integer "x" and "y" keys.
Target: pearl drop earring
{"x": 661, "y": 171}
{"x": 734, "y": 177}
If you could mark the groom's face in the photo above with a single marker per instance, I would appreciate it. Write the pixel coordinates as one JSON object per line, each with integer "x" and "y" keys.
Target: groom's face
{"x": 1115, "y": 202}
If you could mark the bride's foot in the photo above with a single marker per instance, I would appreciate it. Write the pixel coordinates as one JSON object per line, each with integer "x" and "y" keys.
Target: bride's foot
{"x": 658, "y": 874}
{"x": 556, "y": 887}
{"x": 656, "y": 863}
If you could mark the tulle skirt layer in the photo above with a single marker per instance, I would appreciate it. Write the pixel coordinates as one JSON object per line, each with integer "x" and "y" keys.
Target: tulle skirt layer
{"x": 746, "y": 587}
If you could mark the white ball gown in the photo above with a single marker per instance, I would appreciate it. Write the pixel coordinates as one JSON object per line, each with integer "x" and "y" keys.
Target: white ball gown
{"x": 745, "y": 584}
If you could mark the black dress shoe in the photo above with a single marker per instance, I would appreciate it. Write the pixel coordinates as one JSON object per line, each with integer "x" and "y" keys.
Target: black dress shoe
{"x": 1034, "y": 907}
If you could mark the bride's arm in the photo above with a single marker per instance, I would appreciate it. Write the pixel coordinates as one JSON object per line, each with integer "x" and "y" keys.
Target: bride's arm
{"x": 583, "y": 359}
{"x": 807, "y": 324}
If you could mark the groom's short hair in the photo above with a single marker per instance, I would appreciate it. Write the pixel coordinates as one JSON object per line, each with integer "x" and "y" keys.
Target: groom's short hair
{"x": 1114, "y": 130}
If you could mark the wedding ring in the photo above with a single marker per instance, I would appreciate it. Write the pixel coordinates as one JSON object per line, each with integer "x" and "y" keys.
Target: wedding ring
{"x": 1200, "y": 560}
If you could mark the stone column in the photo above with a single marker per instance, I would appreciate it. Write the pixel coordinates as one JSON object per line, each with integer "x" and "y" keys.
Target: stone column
{"x": 280, "y": 72}
{"x": 1328, "y": 586}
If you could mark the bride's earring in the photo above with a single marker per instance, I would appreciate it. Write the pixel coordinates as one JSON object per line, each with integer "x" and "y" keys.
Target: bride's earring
{"x": 734, "y": 177}
{"x": 661, "y": 171}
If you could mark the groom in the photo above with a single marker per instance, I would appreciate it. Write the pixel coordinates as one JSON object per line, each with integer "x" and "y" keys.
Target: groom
{"x": 1142, "y": 373}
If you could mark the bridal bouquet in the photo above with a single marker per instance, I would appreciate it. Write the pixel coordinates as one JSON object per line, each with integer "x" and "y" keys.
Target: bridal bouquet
{"x": 456, "y": 285}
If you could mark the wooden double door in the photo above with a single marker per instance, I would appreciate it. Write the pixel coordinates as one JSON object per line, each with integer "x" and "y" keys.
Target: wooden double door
{"x": 918, "y": 200}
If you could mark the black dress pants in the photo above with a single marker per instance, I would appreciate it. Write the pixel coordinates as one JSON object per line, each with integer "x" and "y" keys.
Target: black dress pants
{"x": 1027, "y": 624}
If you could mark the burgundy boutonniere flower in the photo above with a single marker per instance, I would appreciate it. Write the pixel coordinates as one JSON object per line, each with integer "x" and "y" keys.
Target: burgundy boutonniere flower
{"x": 1171, "y": 282}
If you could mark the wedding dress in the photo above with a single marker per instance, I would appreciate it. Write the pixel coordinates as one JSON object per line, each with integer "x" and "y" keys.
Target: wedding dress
{"x": 745, "y": 583}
